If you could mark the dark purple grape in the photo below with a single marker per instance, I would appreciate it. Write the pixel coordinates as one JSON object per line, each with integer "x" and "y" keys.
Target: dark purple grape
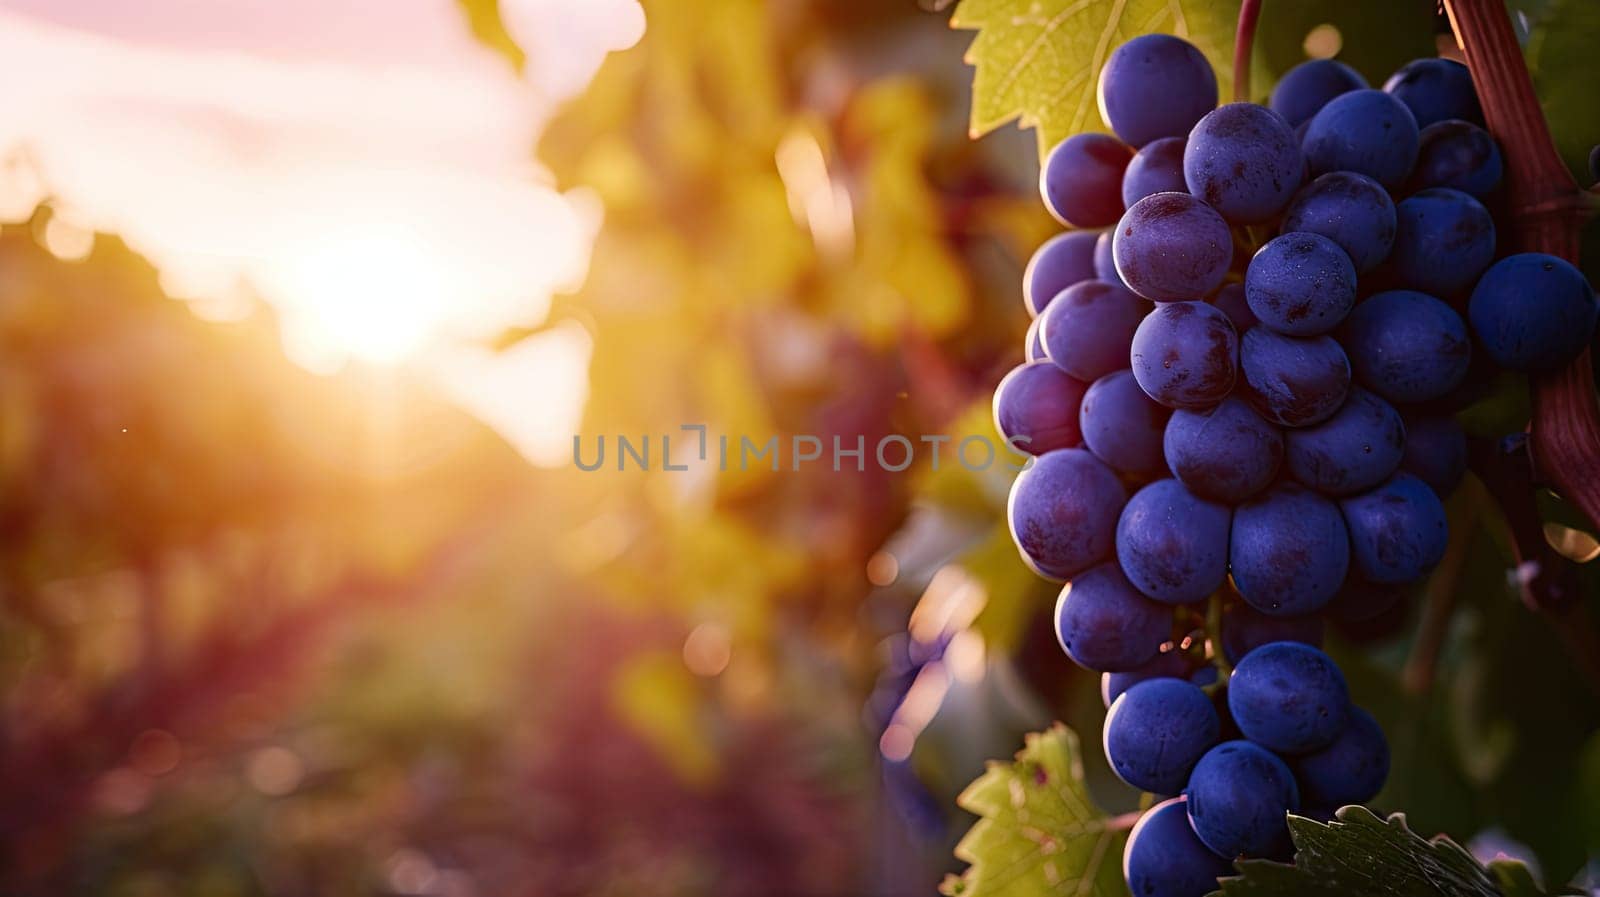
{"x": 1533, "y": 312}
{"x": 1156, "y": 168}
{"x": 1036, "y": 408}
{"x": 1122, "y": 425}
{"x": 1155, "y": 86}
{"x": 1104, "y": 624}
{"x": 1350, "y": 209}
{"x": 1172, "y": 247}
{"x": 1407, "y": 346}
{"x": 1165, "y": 858}
{"x": 1088, "y": 329}
{"x": 1365, "y": 131}
{"x": 1356, "y": 449}
{"x": 1063, "y": 512}
{"x": 1185, "y": 355}
{"x": 1172, "y": 544}
{"x": 1081, "y": 180}
{"x": 1289, "y": 698}
{"x": 1058, "y": 263}
{"x": 1351, "y": 770}
{"x": 1227, "y": 453}
{"x": 1306, "y": 88}
{"x": 1459, "y": 155}
{"x": 1444, "y": 239}
{"x": 1157, "y": 731}
{"x": 1245, "y": 629}
{"x": 1244, "y": 161}
{"x": 1293, "y": 381}
{"x": 1434, "y": 90}
{"x": 1239, "y": 798}
{"x": 1398, "y": 531}
{"x": 1288, "y": 551}
{"x": 1169, "y": 664}
{"x": 1300, "y": 284}
{"x": 1231, "y": 300}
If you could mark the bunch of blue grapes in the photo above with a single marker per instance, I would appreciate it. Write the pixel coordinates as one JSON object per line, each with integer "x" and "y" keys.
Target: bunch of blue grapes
{"x": 1240, "y": 384}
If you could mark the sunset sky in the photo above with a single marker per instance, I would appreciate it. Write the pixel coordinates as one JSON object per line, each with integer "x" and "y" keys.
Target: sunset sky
{"x": 364, "y": 166}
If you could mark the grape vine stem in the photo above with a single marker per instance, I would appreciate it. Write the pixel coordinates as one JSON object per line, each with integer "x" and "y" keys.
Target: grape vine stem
{"x": 1243, "y": 40}
{"x": 1547, "y": 214}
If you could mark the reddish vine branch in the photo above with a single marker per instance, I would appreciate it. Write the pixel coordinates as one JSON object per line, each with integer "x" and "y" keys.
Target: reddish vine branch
{"x": 1546, "y": 216}
{"x": 1243, "y": 40}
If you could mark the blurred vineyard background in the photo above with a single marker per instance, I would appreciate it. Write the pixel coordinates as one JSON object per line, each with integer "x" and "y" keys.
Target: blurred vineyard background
{"x": 272, "y": 631}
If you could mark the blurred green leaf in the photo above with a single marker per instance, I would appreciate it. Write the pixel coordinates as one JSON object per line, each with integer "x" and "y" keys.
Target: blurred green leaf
{"x": 1374, "y": 38}
{"x": 1038, "y": 61}
{"x": 1361, "y": 855}
{"x": 1565, "y": 71}
{"x": 1039, "y": 833}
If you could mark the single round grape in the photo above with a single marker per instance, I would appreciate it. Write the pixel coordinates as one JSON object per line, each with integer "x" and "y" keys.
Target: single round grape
{"x": 1088, "y": 329}
{"x": 1232, "y": 301}
{"x": 1156, "y": 168}
{"x": 1243, "y": 160}
{"x": 1155, "y": 86}
{"x": 1350, "y": 209}
{"x": 1359, "y": 600}
{"x": 1081, "y": 180}
{"x": 1165, "y": 858}
{"x": 1171, "y": 247}
{"x": 1365, "y": 131}
{"x": 1356, "y": 449}
{"x": 1289, "y": 551}
{"x": 1436, "y": 451}
{"x": 1435, "y": 89}
{"x": 1351, "y": 770}
{"x": 1245, "y": 629}
{"x": 1239, "y": 798}
{"x": 1032, "y": 346}
{"x": 1443, "y": 240}
{"x": 1157, "y": 731}
{"x": 1036, "y": 408}
{"x": 1306, "y": 88}
{"x": 1293, "y": 381}
{"x": 1058, "y": 263}
{"x": 1300, "y": 284}
{"x": 1170, "y": 664}
{"x": 1063, "y": 512}
{"x": 1289, "y": 698}
{"x": 1104, "y": 624}
{"x": 1533, "y": 312}
{"x": 1227, "y": 453}
{"x": 1407, "y": 346}
{"x": 1122, "y": 425}
{"x": 1105, "y": 266}
{"x": 1172, "y": 544}
{"x": 1185, "y": 355}
{"x": 1398, "y": 530}
{"x": 1459, "y": 155}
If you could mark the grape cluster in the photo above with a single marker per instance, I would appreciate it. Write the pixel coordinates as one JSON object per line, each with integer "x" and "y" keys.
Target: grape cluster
{"x": 1239, "y": 392}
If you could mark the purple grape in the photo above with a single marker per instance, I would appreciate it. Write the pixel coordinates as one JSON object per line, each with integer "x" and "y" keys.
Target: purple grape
{"x": 1156, "y": 168}
{"x": 1036, "y": 408}
{"x": 1104, "y": 624}
{"x": 1365, "y": 131}
{"x": 1459, "y": 155}
{"x": 1058, "y": 263}
{"x": 1533, "y": 312}
{"x": 1407, "y": 346}
{"x": 1306, "y": 88}
{"x": 1165, "y": 858}
{"x": 1435, "y": 89}
{"x": 1239, "y": 798}
{"x": 1155, "y": 86}
{"x": 1157, "y": 731}
{"x": 1443, "y": 240}
{"x": 1243, "y": 160}
{"x": 1088, "y": 329}
{"x": 1227, "y": 453}
{"x": 1172, "y": 247}
{"x": 1105, "y": 265}
{"x": 1289, "y": 698}
{"x": 1356, "y": 449}
{"x": 1122, "y": 425}
{"x": 1245, "y": 629}
{"x": 1185, "y": 355}
{"x": 1063, "y": 512}
{"x": 1350, "y": 209}
{"x": 1081, "y": 180}
{"x": 1293, "y": 381}
{"x": 1169, "y": 664}
{"x": 1300, "y": 284}
{"x": 1398, "y": 531}
{"x": 1172, "y": 544}
{"x": 1289, "y": 551}
{"x": 1231, "y": 299}
{"x": 1351, "y": 770}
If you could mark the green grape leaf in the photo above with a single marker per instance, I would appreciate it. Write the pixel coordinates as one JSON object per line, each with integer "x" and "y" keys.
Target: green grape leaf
{"x": 1565, "y": 70}
{"x": 1039, "y": 833}
{"x": 1038, "y": 61}
{"x": 1360, "y": 855}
